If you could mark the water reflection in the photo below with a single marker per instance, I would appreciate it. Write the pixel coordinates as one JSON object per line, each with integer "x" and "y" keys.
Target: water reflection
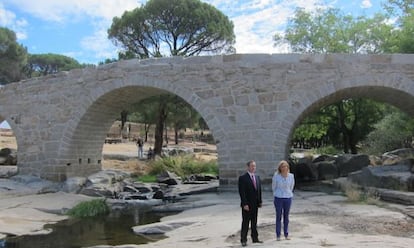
{"x": 114, "y": 229}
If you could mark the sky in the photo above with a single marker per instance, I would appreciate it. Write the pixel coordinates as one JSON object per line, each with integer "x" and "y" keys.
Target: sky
{"x": 78, "y": 28}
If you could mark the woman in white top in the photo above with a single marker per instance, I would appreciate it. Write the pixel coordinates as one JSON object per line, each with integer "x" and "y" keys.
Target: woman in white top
{"x": 283, "y": 183}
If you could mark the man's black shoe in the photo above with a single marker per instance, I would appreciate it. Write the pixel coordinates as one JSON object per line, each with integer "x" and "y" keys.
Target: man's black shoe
{"x": 244, "y": 244}
{"x": 257, "y": 241}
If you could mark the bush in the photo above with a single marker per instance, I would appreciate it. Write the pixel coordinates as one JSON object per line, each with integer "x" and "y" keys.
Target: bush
{"x": 183, "y": 166}
{"x": 89, "y": 209}
{"x": 329, "y": 150}
{"x": 390, "y": 133}
{"x": 355, "y": 195}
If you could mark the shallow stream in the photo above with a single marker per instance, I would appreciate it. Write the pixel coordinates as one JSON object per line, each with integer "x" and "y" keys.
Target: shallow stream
{"x": 113, "y": 229}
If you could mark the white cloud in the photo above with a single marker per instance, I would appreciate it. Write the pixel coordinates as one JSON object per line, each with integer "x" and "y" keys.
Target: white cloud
{"x": 66, "y": 12}
{"x": 99, "y": 45}
{"x": 366, "y": 4}
{"x": 8, "y": 19}
{"x": 72, "y": 10}
{"x": 255, "y": 21}
{"x": 262, "y": 19}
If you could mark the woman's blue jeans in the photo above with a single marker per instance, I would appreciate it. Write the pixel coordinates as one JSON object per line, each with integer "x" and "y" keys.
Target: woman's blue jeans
{"x": 282, "y": 206}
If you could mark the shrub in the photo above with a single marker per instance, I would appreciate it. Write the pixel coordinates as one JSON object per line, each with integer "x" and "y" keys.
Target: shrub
{"x": 89, "y": 208}
{"x": 183, "y": 166}
{"x": 353, "y": 194}
{"x": 329, "y": 150}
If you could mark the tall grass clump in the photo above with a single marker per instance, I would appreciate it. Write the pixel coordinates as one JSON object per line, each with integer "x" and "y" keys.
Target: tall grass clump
{"x": 89, "y": 209}
{"x": 355, "y": 194}
{"x": 183, "y": 165}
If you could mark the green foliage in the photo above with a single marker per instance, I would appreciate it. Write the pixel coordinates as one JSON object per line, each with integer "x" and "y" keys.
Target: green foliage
{"x": 147, "y": 178}
{"x": 44, "y": 64}
{"x": 172, "y": 27}
{"x": 89, "y": 209}
{"x": 183, "y": 165}
{"x": 328, "y": 150}
{"x": 391, "y": 133}
{"x": 163, "y": 28}
{"x": 342, "y": 124}
{"x": 330, "y": 31}
{"x": 13, "y": 57}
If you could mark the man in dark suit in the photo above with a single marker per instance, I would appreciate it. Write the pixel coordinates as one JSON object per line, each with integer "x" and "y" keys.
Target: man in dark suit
{"x": 250, "y": 191}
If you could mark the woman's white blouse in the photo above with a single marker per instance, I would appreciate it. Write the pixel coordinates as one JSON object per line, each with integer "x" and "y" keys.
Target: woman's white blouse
{"x": 283, "y": 186}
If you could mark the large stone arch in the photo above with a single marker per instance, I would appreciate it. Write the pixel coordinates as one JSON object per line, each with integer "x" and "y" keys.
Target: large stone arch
{"x": 83, "y": 137}
{"x": 250, "y": 102}
{"x": 394, "y": 89}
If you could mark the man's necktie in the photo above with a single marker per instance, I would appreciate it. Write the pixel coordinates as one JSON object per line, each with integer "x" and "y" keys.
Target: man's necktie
{"x": 254, "y": 181}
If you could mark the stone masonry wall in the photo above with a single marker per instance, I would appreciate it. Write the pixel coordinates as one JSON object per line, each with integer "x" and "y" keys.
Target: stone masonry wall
{"x": 252, "y": 103}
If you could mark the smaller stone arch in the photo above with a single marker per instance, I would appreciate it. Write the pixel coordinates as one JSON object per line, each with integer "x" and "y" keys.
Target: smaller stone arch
{"x": 392, "y": 90}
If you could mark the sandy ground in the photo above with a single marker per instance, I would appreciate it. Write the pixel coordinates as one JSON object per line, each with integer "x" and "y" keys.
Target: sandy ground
{"x": 317, "y": 219}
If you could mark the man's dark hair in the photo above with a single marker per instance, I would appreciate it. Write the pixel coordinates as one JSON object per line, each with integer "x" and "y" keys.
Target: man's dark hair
{"x": 248, "y": 163}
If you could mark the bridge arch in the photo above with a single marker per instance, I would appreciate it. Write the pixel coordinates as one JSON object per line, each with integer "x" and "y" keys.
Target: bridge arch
{"x": 395, "y": 90}
{"x": 86, "y": 132}
{"x": 251, "y": 103}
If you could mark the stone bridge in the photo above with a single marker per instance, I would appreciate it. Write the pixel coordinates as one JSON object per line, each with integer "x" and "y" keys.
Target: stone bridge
{"x": 251, "y": 103}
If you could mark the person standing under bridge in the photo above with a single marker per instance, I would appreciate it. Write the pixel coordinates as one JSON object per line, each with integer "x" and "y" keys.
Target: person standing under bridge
{"x": 140, "y": 144}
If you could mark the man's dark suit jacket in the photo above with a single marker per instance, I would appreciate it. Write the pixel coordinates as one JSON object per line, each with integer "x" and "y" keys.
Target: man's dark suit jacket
{"x": 248, "y": 194}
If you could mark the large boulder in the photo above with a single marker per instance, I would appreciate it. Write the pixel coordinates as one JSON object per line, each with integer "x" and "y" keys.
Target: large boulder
{"x": 73, "y": 184}
{"x": 106, "y": 183}
{"x": 396, "y": 156}
{"x": 395, "y": 177}
{"x": 348, "y": 163}
{"x": 8, "y": 156}
{"x": 305, "y": 172}
{"x": 327, "y": 170}
{"x": 169, "y": 178}
{"x": 8, "y": 171}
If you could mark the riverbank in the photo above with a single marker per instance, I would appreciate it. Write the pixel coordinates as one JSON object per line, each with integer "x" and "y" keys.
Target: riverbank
{"x": 317, "y": 219}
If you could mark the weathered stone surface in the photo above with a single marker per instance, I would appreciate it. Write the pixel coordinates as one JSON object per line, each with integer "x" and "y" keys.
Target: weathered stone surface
{"x": 8, "y": 171}
{"x": 60, "y": 121}
{"x": 348, "y": 163}
{"x": 395, "y": 177}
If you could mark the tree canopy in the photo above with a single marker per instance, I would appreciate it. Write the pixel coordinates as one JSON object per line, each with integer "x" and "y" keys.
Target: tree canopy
{"x": 172, "y": 28}
{"x": 13, "y": 57}
{"x": 330, "y": 31}
{"x": 163, "y": 28}
{"x": 348, "y": 122}
{"x": 44, "y": 64}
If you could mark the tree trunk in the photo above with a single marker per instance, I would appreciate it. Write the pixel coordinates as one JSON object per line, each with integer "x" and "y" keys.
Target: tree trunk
{"x": 342, "y": 126}
{"x": 176, "y": 134}
{"x": 146, "y": 130}
{"x": 159, "y": 127}
{"x": 124, "y": 115}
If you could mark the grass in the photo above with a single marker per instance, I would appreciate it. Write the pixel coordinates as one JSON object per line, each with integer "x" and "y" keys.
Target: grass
{"x": 356, "y": 195}
{"x": 89, "y": 209}
{"x": 147, "y": 179}
{"x": 183, "y": 165}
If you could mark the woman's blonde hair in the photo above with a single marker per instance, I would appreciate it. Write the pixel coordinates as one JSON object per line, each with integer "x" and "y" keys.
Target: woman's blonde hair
{"x": 282, "y": 163}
